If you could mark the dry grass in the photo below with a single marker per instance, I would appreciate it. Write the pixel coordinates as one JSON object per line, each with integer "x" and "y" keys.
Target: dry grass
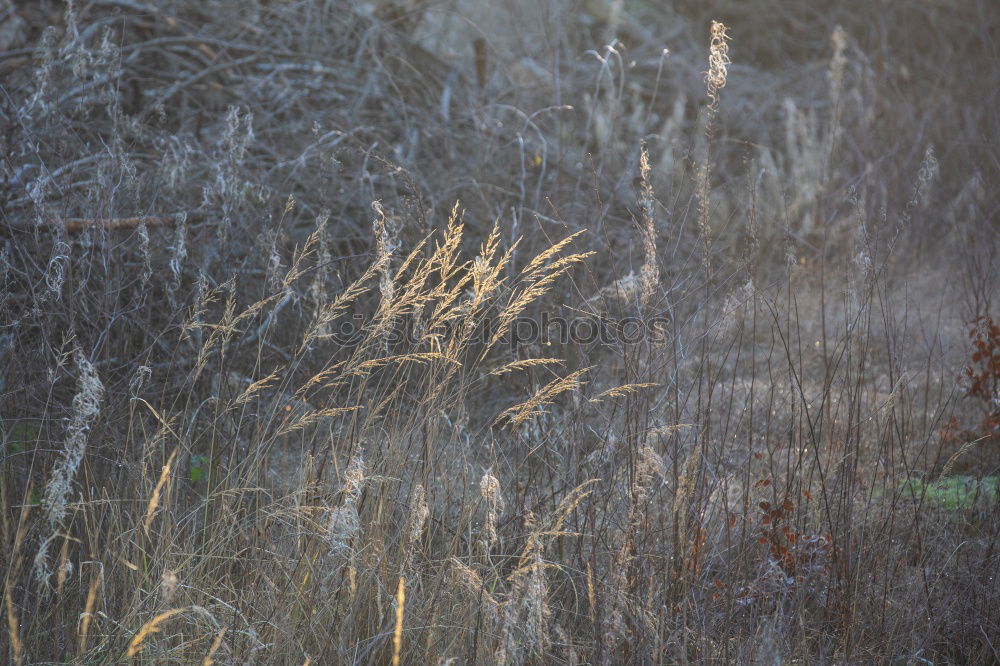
{"x": 270, "y": 395}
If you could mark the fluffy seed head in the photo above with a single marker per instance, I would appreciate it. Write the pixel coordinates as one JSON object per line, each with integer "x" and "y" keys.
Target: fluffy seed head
{"x": 718, "y": 62}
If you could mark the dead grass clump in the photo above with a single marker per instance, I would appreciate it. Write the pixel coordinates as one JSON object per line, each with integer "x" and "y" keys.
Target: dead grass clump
{"x": 685, "y": 377}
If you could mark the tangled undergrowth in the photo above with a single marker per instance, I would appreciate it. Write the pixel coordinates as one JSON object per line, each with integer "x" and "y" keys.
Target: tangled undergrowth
{"x": 701, "y": 367}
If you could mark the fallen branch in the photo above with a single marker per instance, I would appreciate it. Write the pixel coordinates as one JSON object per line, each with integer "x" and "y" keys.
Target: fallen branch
{"x": 77, "y": 224}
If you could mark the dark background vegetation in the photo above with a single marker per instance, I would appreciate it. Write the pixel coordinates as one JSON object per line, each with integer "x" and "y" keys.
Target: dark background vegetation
{"x": 802, "y": 467}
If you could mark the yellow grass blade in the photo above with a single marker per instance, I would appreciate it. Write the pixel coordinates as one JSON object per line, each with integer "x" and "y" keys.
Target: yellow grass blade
{"x": 397, "y": 638}
{"x": 149, "y": 628}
